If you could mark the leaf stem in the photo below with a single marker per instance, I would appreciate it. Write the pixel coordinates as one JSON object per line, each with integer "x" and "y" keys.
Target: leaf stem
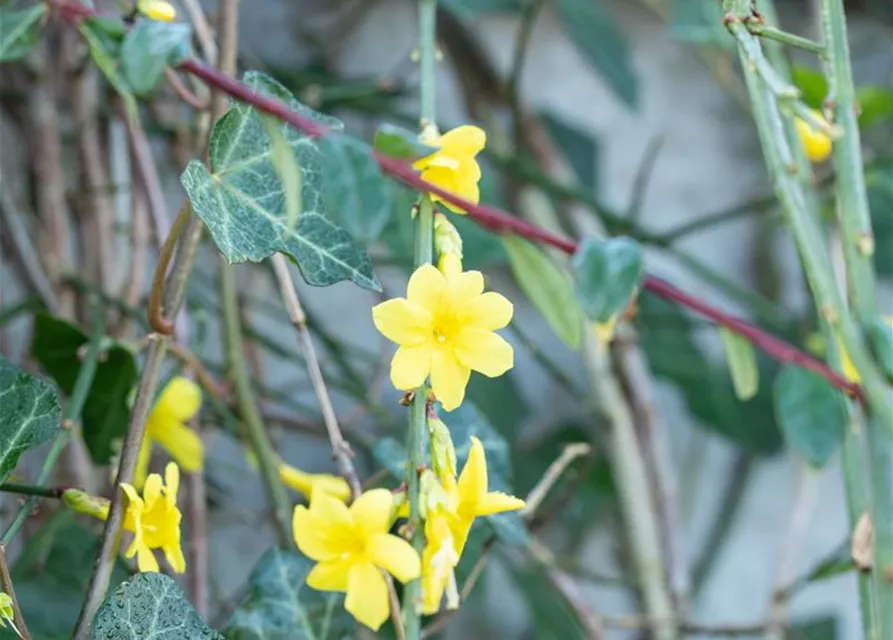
{"x": 31, "y": 490}
{"x": 773, "y": 33}
{"x": 157, "y": 320}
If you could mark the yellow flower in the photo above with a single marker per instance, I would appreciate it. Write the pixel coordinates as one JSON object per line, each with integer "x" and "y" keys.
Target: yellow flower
{"x": 157, "y": 10}
{"x": 352, "y": 547}
{"x": 154, "y": 521}
{"x": 166, "y": 425}
{"x": 439, "y": 560}
{"x": 445, "y": 328}
{"x": 308, "y": 483}
{"x": 816, "y": 144}
{"x": 454, "y": 168}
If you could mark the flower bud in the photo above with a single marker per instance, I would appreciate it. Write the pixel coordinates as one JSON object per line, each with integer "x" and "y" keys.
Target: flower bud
{"x": 443, "y": 453}
{"x": 157, "y": 10}
{"x": 816, "y": 144}
{"x": 432, "y": 495}
{"x": 83, "y": 502}
{"x": 446, "y": 236}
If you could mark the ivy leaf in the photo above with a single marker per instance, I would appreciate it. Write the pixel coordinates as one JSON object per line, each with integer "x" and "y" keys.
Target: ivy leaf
{"x": 811, "y": 412}
{"x": 280, "y": 606}
{"x": 599, "y": 38}
{"x": 358, "y": 195}
{"x": 19, "y": 31}
{"x": 104, "y": 38}
{"x": 57, "y": 344}
{"x": 148, "y": 48}
{"x": 608, "y": 273}
{"x": 30, "y": 415}
{"x": 742, "y": 363}
{"x": 149, "y": 605}
{"x": 243, "y": 205}
{"x": 401, "y": 143}
{"x": 548, "y": 287}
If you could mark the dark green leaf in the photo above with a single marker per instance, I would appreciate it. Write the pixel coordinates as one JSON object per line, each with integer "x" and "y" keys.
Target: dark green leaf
{"x": 242, "y": 200}
{"x": 551, "y": 615}
{"x": 104, "y": 37}
{"x": 880, "y": 202}
{"x": 57, "y": 346}
{"x": 607, "y": 273}
{"x": 880, "y": 334}
{"x": 811, "y": 412}
{"x": 398, "y": 142}
{"x": 501, "y": 401}
{"x": 821, "y": 628}
{"x": 358, "y": 196}
{"x": 148, "y": 48}
{"x": 577, "y": 145}
{"x": 598, "y": 36}
{"x": 19, "y": 31}
{"x": 548, "y": 287}
{"x": 30, "y": 414}
{"x": 52, "y": 573}
{"x": 742, "y": 363}
{"x": 280, "y": 606}
{"x": 149, "y": 605}
{"x": 812, "y": 85}
{"x": 876, "y": 104}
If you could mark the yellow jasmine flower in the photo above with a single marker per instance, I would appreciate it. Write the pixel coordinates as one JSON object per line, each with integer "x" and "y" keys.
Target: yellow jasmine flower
{"x": 453, "y": 167}
{"x": 157, "y": 10}
{"x": 154, "y": 521}
{"x": 816, "y": 144}
{"x": 179, "y": 402}
{"x": 445, "y": 328}
{"x": 439, "y": 561}
{"x": 307, "y": 483}
{"x": 352, "y": 547}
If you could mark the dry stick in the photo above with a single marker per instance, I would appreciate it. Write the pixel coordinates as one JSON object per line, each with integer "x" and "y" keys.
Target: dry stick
{"x": 341, "y": 451}
{"x": 148, "y": 173}
{"x": 6, "y": 584}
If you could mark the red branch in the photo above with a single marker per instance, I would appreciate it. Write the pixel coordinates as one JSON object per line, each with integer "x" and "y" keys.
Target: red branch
{"x": 497, "y": 220}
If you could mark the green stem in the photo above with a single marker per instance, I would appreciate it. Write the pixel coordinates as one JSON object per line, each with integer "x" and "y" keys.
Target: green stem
{"x": 247, "y": 405}
{"x": 772, "y": 33}
{"x": 427, "y": 62}
{"x": 31, "y": 490}
{"x": 72, "y": 414}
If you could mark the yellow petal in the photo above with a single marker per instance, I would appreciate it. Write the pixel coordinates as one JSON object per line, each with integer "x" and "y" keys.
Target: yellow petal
{"x": 849, "y": 369}
{"x": 133, "y": 497}
{"x": 174, "y": 555}
{"x": 371, "y": 511}
{"x": 296, "y": 479}
{"x": 395, "y": 555}
{"x": 450, "y": 265}
{"x": 335, "y": 486}
{"x": 402, "y": 322}
{"x": 157, "y": 10}
{"x": 142, "y": 461}
{"x": 145, "y": 559}
{"x": 438, "y": 159}
{"x": 181, "y": 399}
{"x": 367, "y": 595}
{"x": 410, "y": 366}
{"x": 467, "y": 173}
{"x": 466, "y": 287}
{"x": 330, "y": 576}
{"x": 498, "y": 502}
{"x": 309, "y": 536}
{"x": 152, "y": 489}
{"x": 461, "y": 527}
{"x": 171, "y": 482}
{"x": 466, "y": 140}
{"x": 473, "y": 480}
{"x": 449, "y": 377}
{"x": 484, "y": 351}
{"x": 426, "y": 288}
{"x": 487, "y": 311}
{"x": 183, "y": 444}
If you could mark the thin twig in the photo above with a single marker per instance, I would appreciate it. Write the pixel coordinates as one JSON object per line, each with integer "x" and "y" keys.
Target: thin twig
{"x": 6, "y": 584}
{"x": 205, "y": 378}
{"x": 157, "y": 319}
{"x": 148, "y": 173}
{"x": 570, "y": 453}
{"x": 184, "y": 92}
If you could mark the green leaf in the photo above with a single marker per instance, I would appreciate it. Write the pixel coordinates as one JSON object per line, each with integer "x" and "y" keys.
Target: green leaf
{"x": 600, "y": 39}
{"x": 577, "y": 145}
{"x": 358, "y": 196}
{"x": 401, "y": 143}
{"x": 548, "y": 287}
{"x": 149, "y": 605}
{"x": 742, "y": 363}
{"x": 876, "y": 105}
{"x": 811, "y": 412}
{"x": 698, "y": 22}
{"x": 880, "y": 336}
{"x": 280, "y": 606}
{"x": 501, "y": 401}
{"x": 812, "y": 85}
{"x": 19, "y": 31}
{"x": 880, "y": 202}
{"x": 148, "y": 48}
{"x": 552, "y": 616}
{"x": 242, "y": 203}
{"x": 607, "y": 273}
{"x": 57, "y": 346}
{"x": 52, "y": 573}
{"x": 30, "y": 414}
{"x": 471, "y": 9}
{"x": 104, "y": 37}
{"x": 820, "y": 628}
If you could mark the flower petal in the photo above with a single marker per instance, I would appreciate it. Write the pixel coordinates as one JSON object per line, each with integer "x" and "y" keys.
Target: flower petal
{"x": 171, "y": 483}
{"x": 174, "y": 555}
{"x": 367, "y": 595}
{"x": 465, "y": 140}
{"x": 461, "y": 527}
{"x": 427, "y": 288}
{"x": 449, "y": 377}
{"x": 484, "y": 351}
{"x": 183, "y": 444}
{"x": 473, "y": 480}
{"x": 152, "y": 489}
{"x": 395, "y": 555}
{"x": 309, "y": 536}
{"x": 410, "y": 366}
{"x": 145, "y": 559}
{"x": 401, "y": 321}
{"x": 465, "y": 287}
{"x": 330, "y": 576}
{"x": 371, "y": 511}
{"x": 296, "y": 479}
{"x": 180, "y": 400}
{"x": 468, "y": 172}
{"x": 498, "y": 502}
{"x": 487, "y": 311}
